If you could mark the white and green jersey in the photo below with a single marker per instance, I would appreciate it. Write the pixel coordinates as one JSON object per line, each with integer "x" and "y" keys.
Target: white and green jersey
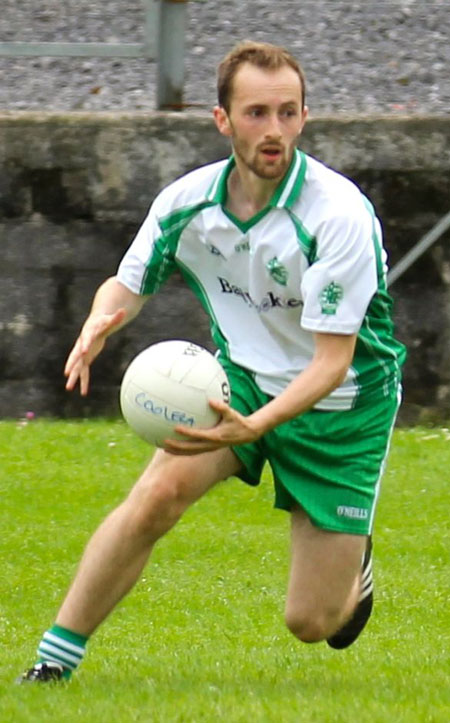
{"x": 311, "y": 261}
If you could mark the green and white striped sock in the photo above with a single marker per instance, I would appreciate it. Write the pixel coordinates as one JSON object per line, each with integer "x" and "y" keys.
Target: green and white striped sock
{"x": 64, "y": 647}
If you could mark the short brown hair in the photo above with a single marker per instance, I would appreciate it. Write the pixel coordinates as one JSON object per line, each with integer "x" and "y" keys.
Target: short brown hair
{"x": 262, "y": 55}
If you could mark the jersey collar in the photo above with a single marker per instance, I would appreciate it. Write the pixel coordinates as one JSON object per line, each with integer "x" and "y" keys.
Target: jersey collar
{"x": 285, "y": 194}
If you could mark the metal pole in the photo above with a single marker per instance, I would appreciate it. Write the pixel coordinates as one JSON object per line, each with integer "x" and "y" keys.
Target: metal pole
{"x": 171, "y": 51}
{"x": 152, "y": 20}
{"x": 417, "y": 250}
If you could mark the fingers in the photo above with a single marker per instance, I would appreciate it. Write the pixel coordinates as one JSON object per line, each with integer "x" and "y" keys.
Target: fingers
{"x": 71, "y": 380}
{"x": 227, "y": 413}
{"x": 190, "y": 448}
{"x": 232, "y": 429}
{"x": 77, "y": 366}
{"x": 92, "y": 333}
{"x": 71, "y": 359}
{"x": 84, "y": 380}
{"x": 197, "y": 440}
{"x": 88, "y": 346}
{"x": 219, "y": 405}
{"x": 78, "y": 371}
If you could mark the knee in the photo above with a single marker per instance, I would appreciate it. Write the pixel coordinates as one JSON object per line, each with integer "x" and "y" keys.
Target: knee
{"x": 307, "y": 629}
{"x": 310, "y": 626}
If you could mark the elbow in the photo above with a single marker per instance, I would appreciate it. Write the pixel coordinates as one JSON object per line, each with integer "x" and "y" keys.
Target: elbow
{"x": 336, "y": 376}
{"x": 341, "y": 375}
{"x": 333, "y": 357}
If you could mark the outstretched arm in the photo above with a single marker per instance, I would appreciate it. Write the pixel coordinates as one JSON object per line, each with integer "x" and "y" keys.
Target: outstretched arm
{"x": 327, "y": 370}
{"x": 114, "y": 306}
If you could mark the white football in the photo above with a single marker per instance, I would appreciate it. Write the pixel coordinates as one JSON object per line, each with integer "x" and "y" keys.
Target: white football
{"x": 171, "y": 383}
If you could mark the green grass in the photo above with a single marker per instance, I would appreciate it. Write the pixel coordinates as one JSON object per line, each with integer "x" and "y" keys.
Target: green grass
{"x": 201, "y": 637}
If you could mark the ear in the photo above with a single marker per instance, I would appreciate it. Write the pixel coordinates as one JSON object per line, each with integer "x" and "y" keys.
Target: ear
{"x": 222, "y": 121}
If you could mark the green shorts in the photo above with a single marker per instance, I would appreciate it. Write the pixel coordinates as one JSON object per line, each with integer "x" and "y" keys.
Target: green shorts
{"x": 330, "y": 463}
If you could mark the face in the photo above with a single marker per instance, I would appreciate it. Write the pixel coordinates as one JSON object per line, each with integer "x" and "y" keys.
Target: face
{"x": 264, "y": 120}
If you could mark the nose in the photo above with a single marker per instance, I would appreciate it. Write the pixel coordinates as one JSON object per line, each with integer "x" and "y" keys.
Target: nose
{"x": 273, "y": 128}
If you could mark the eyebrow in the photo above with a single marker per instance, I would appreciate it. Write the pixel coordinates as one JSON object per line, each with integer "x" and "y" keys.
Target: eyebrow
{"x": 287, "y": 103}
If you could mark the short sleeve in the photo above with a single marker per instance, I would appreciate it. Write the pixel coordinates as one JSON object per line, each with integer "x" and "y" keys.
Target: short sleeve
{"x": 339, "y": 284}
{"x": 147, "y": 263}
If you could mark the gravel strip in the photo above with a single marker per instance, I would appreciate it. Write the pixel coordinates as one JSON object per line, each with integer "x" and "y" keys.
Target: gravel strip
{"x": 360, "y": 58}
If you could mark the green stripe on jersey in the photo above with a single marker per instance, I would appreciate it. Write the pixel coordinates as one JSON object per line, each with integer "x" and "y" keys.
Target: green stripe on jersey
{"x": 161, "y": 263}
{"x": 197, "y": 287}
{"x": 290, "y": 190}
{"x": 378, "y": 355}
{"x": 307, "y": 242}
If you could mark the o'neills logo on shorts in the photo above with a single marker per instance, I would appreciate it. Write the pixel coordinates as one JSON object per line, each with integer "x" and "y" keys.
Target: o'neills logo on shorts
{"x": 355, "y": 513}
{"x": 268, "y": 302}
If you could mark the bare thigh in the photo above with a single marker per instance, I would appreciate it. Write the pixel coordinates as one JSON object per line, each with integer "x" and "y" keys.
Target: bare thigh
{"x": 324, "y": 578}
{"x": 171, "y": 483}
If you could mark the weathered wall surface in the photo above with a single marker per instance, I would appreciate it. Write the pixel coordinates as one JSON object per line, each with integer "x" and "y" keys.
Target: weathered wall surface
{"x": 74, "y": 189}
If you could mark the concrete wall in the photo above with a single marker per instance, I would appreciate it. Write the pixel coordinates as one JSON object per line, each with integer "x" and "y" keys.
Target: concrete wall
{"x": 74, "y": 189}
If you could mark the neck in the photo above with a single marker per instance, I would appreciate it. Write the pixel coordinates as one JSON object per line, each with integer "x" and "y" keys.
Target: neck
{"x": 247, "y": 193}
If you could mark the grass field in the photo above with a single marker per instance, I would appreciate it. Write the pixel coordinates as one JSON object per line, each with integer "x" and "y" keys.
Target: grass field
{"x": 201, "y": 637}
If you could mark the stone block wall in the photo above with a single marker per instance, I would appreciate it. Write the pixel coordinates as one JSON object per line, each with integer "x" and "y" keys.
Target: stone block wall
{"x": 74, "y": 189}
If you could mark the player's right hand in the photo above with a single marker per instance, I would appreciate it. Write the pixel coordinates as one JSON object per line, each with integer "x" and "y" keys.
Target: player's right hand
{"x": 88, "y": 346}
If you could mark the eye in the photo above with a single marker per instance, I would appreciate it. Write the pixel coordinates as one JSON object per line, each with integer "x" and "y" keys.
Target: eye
{"x": 289, "y": 112}
{"x": 255, "y": 112}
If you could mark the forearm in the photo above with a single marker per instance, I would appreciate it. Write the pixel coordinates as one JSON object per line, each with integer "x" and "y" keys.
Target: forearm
{"x": 301, "y": 394}
{"x": 328, "y": 368}
{"x": 113, "y": 307}
{"x": 112, "y": 296}
{"x": 325, "y": 373}
{"x": 315, "y": 382}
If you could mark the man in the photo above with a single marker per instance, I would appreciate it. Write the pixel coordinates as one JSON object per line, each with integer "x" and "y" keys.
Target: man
{"x": 286, "y": 257}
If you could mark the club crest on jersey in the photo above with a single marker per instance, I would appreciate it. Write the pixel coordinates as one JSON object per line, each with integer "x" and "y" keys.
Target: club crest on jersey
{"x": 330, "y": 297}
{"x": 277, "y": 271}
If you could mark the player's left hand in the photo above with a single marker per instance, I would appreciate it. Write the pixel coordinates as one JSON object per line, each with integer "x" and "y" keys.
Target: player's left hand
{"x": 232, "y": 429}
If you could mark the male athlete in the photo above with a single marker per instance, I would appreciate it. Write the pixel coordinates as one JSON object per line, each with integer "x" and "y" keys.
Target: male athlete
{"x": 287, "y": 259}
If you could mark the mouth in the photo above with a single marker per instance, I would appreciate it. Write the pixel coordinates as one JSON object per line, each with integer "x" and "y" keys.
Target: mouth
{"x": 272, "y": 153}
